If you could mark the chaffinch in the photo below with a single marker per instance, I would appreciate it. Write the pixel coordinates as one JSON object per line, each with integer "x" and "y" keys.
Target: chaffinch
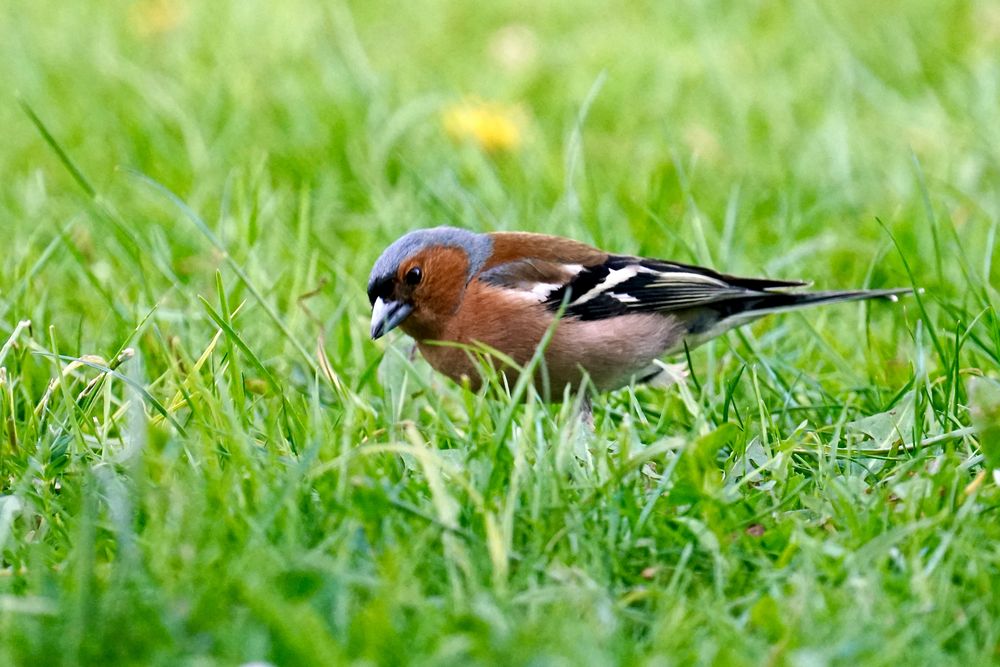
{"x": 619, "y": 313}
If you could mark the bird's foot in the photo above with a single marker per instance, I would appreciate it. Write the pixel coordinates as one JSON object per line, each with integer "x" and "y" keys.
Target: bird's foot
{"x": 669, "y": 375}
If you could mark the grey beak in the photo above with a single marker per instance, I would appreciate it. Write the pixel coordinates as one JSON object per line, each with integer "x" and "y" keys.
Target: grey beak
{"x": 387, "y": 315}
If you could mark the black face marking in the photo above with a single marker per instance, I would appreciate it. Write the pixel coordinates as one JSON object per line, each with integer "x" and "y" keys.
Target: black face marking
{"x": 381, "y": 288}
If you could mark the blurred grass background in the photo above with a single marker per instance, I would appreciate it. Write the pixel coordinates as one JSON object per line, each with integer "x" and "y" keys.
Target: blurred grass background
{"x": 816, "y": 495}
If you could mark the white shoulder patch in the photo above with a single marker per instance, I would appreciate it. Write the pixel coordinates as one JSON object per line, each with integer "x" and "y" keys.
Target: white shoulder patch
{"x": 543, "y": 290}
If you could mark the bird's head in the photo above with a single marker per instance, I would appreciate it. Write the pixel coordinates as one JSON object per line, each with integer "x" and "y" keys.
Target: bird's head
{"x": 418, "y": 281}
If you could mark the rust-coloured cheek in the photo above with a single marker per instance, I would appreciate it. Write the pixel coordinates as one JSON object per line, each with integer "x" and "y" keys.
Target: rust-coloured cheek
{"x": 438, "y": 296}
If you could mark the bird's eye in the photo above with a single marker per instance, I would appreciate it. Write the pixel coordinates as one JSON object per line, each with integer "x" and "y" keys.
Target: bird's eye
{"x": 413, "y": 276}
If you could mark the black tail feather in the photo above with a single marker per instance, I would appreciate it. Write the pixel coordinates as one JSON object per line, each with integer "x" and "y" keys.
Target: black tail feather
{"x": 757, "y": 305}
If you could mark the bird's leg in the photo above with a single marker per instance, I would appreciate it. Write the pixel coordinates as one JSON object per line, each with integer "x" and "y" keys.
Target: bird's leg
{"x": 583, "y": 434}
{"x": 668, "y": 375}
{"x": 587, "y": 413}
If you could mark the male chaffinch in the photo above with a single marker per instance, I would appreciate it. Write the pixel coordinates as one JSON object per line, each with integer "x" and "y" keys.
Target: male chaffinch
{"x": 618, "y": 313}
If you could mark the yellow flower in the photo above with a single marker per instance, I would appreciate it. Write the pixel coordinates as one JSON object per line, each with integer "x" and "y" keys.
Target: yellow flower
{"x": 493, "y": 127}
{"x": 149, "y": 18}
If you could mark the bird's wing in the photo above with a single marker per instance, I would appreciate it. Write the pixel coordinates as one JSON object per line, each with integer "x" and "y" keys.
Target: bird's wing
{"x": 621, "y": 284}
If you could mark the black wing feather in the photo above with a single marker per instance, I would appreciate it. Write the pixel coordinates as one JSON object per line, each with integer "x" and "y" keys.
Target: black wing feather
{"x": 656, "y": 286}
{"x": 735, "y": 281}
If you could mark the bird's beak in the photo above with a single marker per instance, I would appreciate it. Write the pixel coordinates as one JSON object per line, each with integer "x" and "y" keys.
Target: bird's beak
{"x": 387, "y": 315}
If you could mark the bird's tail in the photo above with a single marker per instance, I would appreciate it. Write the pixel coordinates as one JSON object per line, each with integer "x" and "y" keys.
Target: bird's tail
{"x": 752, "y": 306}
{"x": 717, "y": 318}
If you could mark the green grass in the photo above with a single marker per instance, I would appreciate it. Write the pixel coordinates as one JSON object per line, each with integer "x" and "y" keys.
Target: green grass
{"x": 204, "y": 460}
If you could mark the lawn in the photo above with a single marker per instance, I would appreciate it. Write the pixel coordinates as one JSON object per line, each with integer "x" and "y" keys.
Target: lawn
{"x": 204, "y": 460}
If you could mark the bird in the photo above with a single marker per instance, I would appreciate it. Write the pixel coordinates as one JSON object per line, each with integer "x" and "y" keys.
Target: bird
{"x": 612, "y": 316}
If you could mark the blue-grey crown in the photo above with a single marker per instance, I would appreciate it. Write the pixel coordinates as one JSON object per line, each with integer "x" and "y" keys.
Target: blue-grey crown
{"x": 477, "y": 246}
